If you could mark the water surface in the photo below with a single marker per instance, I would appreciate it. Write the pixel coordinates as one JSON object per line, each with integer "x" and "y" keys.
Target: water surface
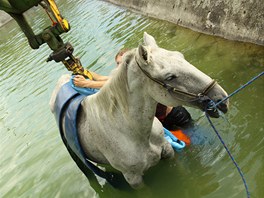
{"x": 34, "y": 161}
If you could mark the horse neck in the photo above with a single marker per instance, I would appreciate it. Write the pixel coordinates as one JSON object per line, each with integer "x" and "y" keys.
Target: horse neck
{"x": 142, "y": 106}
{"x": 125, "y": 100}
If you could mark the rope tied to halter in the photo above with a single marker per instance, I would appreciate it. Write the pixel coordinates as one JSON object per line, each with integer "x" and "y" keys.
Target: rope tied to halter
{"x": 213, "y": 105}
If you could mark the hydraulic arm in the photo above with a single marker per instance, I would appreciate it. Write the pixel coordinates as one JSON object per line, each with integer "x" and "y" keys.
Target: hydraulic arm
{"x": 62, "y": 52}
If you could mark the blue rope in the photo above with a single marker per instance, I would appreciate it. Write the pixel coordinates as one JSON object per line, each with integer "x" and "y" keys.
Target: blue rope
{"x": 230, "y": 155}
{"x": 213, "y": 105}
{"x": 239, "y": 89}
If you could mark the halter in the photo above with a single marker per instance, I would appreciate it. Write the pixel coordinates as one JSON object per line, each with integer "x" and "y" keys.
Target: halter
{"x": 200, "y": 96}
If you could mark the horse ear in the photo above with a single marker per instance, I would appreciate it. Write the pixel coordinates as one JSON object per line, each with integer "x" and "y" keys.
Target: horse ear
{"x": 144, "y": 53}
{"x": 149, "y": 40}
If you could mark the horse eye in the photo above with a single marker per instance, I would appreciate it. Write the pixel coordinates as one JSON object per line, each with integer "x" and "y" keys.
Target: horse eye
{"x": 170, "y": 78}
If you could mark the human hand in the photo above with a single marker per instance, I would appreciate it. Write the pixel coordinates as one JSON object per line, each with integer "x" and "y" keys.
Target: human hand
{"x": 79, "y": 81}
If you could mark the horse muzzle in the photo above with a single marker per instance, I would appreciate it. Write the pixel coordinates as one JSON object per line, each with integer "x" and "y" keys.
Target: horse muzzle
{"x": 208, "y": 105}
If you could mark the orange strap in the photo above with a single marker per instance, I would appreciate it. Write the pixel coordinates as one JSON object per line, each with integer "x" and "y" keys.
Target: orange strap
{"x": 181, "y": 136}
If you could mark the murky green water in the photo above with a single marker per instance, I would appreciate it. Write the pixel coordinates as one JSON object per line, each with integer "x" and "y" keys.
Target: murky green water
{"x": 34, "y": 162}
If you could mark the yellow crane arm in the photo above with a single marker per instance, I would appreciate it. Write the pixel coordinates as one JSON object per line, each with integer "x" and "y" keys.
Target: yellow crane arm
{"x": 62, "y": 52}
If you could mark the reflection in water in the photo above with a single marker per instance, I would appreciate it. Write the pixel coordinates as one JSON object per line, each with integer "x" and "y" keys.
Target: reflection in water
{"x": 34, "y": 162}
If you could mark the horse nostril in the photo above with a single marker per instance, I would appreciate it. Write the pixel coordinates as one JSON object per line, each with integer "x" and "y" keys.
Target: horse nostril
{"x": 222, "y": 106}
{"x": 219, "y": 101}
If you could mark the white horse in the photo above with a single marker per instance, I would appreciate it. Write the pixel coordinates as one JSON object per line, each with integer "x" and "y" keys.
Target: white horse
{"x": 117, "y": 125}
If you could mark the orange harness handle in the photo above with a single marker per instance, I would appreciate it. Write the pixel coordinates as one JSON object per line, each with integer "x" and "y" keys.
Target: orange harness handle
{"x": 181, "y": 136}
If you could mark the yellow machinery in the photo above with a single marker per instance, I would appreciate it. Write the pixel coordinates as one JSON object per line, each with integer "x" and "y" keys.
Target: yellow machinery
{"x": 62, "y": 52}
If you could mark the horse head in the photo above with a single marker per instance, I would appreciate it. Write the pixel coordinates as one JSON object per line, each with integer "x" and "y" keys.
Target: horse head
{"x": 176, "y": 80}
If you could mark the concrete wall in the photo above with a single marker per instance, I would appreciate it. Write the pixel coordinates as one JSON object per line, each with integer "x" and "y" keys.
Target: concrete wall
{"x": 241, "y": 20}
{"x": 4, "y": 18}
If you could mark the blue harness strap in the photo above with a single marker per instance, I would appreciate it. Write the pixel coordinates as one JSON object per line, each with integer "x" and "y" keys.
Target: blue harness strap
{"x": 68, "y": 102}
{"x": 71, "y": 127}
{"x": 65, "y": 94}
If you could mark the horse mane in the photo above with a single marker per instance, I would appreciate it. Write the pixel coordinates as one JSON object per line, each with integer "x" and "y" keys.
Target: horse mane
{"x": 114, "y": 95}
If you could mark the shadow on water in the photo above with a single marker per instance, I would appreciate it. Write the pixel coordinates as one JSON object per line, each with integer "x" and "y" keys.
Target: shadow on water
{"x": 34, "y": 161}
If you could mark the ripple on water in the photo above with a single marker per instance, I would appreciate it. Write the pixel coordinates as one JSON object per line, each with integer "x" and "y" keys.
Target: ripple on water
{"x": 34, "y": 162}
